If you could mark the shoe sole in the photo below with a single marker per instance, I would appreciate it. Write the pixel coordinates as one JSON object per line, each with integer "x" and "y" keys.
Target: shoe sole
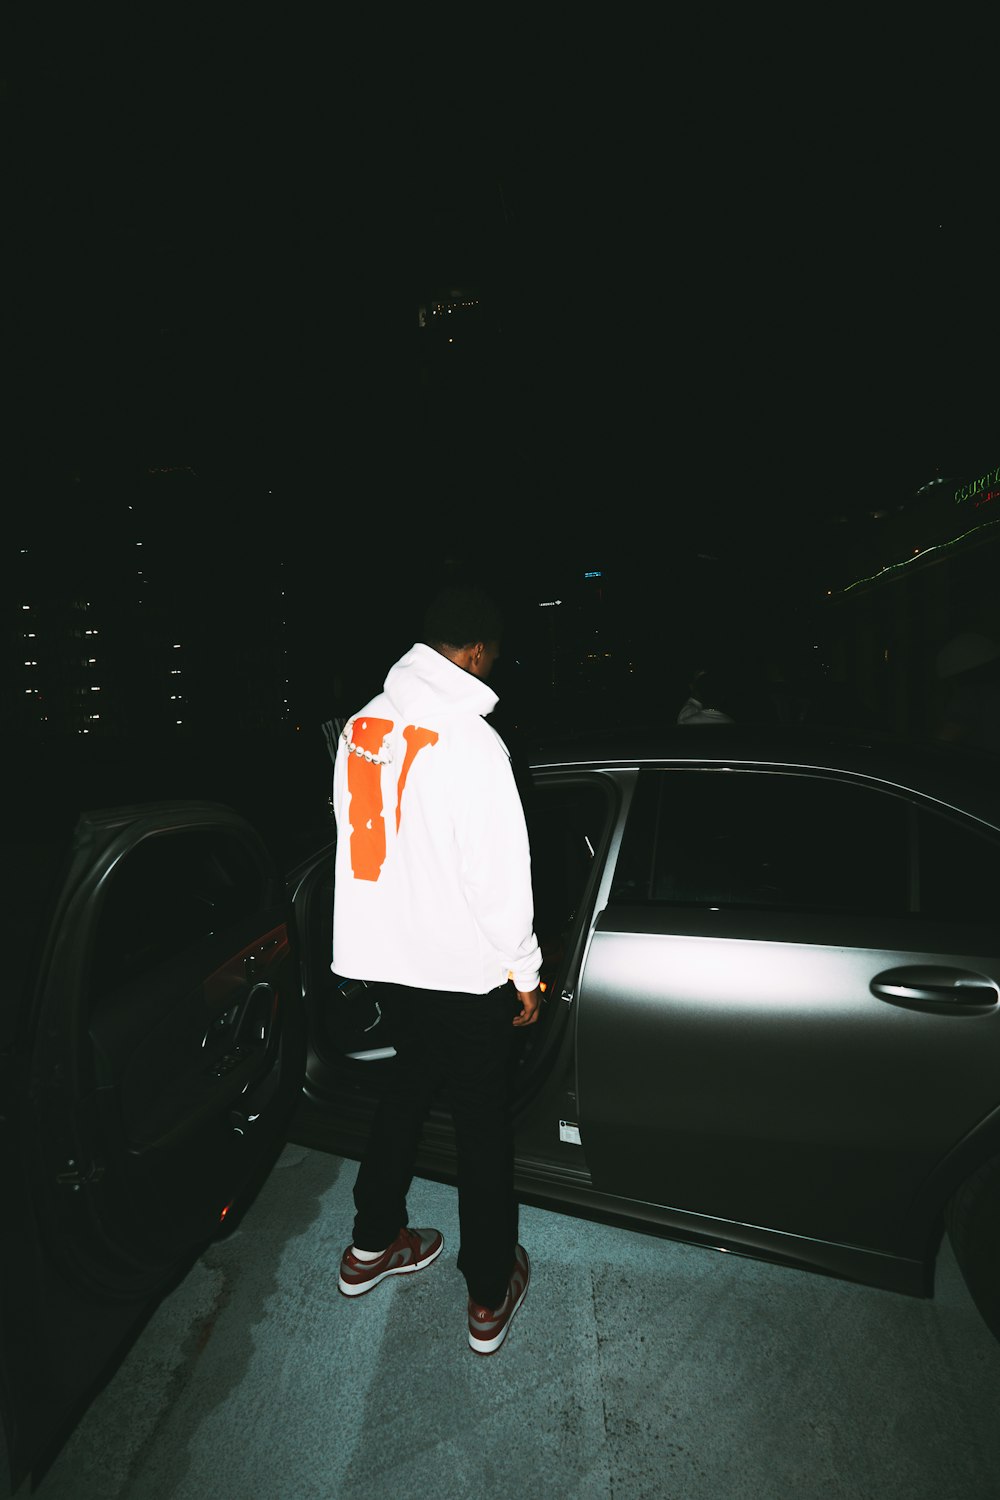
{"x": 418, "y": 1265}
{"x": 490, "y": 1346}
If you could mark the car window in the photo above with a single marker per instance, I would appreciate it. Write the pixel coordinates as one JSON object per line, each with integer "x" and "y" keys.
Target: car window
{"x": 169, "y": 893}
{"x": 765, "y": 839}
{"x": 566, "y": 828}
{"x": 959, "y": 870}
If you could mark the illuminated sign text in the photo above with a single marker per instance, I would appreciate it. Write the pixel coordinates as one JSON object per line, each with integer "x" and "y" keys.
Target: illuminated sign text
{"x": 975, "y": 486}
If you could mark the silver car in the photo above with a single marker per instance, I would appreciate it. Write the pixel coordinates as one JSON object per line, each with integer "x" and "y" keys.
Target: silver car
{"x": 772, "y": 968}
{"x": 773, "y": 1002}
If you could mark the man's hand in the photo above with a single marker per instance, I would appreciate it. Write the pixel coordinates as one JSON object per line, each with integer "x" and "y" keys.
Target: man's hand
{"x": 531, "y": 1003}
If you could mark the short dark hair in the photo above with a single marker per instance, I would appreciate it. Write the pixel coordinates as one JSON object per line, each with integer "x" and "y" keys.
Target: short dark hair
{"x": 462, "y": 614}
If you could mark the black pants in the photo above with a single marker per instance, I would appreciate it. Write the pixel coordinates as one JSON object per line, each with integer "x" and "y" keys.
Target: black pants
{"x": 464, "y": 1042}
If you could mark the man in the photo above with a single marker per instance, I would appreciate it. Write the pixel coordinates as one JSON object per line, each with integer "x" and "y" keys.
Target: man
{"x": 433, "y": 906}
{"x": 702, "y": 704}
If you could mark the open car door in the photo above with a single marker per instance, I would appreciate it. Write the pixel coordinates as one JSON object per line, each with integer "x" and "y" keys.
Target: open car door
{"x": 159, "y": 1056}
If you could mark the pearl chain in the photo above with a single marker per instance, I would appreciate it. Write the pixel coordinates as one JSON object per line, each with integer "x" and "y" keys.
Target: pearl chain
{"x": 385, "y": 759}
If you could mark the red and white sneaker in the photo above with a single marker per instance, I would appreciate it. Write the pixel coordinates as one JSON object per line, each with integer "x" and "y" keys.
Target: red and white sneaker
{"x": 488, "y": 1327}
{"x": 411, "y": 1250}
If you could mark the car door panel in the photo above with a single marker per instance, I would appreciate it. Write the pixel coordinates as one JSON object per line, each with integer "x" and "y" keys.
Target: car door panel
{"x": 770, "y": 1029}
{"x": 171, "y": 944}
{"x": 191, "y": 1046}
{"x": 752, "y": 1080}
{"x": 159, "y": 1063}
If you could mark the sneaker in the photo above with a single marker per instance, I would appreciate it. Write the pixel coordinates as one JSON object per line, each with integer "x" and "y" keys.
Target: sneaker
{"x": 411, "y": 1250}
{"x": 488, "y": 1327}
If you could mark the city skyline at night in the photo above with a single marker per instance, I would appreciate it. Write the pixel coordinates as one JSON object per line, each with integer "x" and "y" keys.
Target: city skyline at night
{"x": 710, "y": 364}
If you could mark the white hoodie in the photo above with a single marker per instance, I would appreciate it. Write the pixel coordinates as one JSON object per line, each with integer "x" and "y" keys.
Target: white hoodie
{"x": 433, "y": 870}
{"x": 693, "y": 711}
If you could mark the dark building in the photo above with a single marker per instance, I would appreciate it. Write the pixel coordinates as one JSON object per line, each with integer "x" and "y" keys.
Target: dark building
{"x": 918, "y": 584}
{"x": 130, "y": 614}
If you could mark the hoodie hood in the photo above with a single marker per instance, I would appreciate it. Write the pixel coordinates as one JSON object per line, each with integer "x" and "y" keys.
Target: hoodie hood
{"x": 425, "y": 683}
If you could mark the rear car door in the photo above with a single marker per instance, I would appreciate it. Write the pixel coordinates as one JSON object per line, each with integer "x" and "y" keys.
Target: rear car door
{"x": 789, "y": 1011}
{"x": 158, "y": 1057}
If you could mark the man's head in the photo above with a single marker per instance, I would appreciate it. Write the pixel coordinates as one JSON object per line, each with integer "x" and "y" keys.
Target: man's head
{"x": 464, "y": 623}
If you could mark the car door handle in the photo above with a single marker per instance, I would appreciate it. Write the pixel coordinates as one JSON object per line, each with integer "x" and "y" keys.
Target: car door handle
{"x": 960, "y": 992}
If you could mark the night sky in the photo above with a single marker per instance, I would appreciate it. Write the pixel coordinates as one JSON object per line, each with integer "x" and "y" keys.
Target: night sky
{"x": 730, "y": 295}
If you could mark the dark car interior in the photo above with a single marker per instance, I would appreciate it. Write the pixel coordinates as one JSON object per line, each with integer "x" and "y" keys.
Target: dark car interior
{"x": 566, "y": 827}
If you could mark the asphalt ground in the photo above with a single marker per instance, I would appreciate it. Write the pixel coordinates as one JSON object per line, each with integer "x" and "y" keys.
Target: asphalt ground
{"x": 637, "y": 1369}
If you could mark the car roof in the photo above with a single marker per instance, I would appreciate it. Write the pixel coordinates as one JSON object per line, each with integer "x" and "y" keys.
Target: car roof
{"x": 963, "y": 778}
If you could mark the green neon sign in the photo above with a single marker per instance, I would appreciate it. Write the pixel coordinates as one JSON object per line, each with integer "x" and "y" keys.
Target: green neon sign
{"x": 978, "y": 486}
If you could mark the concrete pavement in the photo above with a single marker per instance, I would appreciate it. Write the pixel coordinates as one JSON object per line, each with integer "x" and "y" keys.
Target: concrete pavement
{"x": 637, "y": 1369}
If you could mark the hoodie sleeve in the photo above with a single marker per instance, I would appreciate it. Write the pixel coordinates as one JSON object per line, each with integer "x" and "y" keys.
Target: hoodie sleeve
{"x": 496, "y": 860}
